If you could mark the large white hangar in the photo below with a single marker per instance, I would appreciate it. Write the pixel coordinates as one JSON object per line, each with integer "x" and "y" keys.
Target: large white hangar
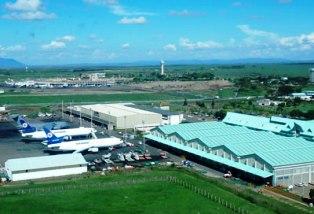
{"x": 275, "y": 150}
{"x": 119, "y": 116}
{"x": 45, "y": 166}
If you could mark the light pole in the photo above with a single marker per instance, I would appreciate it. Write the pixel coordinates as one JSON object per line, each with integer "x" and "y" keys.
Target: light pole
{"x": 71, "y": 111}
{"x": 62, "y": 110}
{"x": 124, "y": 128}
{"x": 143, "y": 122}
{"x": 80, "y": 117}
{"x": 109, "y": 132}
{"x": 91, "y": 118}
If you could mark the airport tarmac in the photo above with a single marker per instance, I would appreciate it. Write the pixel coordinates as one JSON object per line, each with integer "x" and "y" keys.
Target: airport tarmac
{"x": 12, "y": 146}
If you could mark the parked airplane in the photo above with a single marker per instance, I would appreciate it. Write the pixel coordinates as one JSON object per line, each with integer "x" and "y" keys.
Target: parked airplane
{"x": 91, "y": 145}
{"x": 25, "y": 127}
{"x": 65, "y": 134}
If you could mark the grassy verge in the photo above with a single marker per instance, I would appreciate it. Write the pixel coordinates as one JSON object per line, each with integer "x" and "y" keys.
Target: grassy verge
{"x": 145, "y": 197}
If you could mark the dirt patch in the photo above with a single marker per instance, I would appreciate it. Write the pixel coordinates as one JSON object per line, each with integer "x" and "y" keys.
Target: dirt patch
{"x": 184, "y": 86}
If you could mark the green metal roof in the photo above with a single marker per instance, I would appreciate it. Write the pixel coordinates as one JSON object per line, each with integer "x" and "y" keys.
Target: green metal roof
{"x": 243, "y": 141}
{"x": 256, "y": 122}
{"x": 240, "y": 166}
{"x": 273, "y": 124}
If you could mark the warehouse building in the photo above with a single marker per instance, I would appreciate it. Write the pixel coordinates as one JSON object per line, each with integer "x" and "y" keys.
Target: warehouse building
{"x": 258, "y": 149}
{"x": 119, "y": 116}
{"x": 45, "y": 166}
{"x": 168, "y": 117}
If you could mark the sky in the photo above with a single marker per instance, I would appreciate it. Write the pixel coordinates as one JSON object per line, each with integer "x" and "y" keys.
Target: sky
{"x": 55, "y": 32}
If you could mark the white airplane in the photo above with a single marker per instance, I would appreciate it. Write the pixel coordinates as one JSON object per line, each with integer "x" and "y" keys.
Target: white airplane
{"x": 90, "y": 145}
{"x": 65, "y": 134}
{"x": 25, "y": 127}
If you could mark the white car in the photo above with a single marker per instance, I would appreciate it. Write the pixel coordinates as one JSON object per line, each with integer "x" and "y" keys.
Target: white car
{"x": 301, "y": 184}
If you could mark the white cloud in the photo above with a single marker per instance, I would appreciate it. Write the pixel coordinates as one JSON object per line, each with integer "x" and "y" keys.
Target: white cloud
{"x": 13, "y": 48}
{"x": 264, "y": 39}
{"x": 60, "y": 42}
{"x": 232, "y": 41}
{"x": 186, "y": 43}
{"x": 36, "y": 15}
{"x": 150, "y": 53}
{"x": 187, "y": 13}
{"x": 82, "y": 46}
{"x": 67, "y": 38}
{"x": 95, "y": 38}
{"x": 252, "y": 32}
{"x": 117, "y": 9}
{"x": 301, "y": 42}
{"x": 138, "y": 20}
{"x": 126, "y": 46}
{"x": 27, "y": 10}
{"x": 100, "y": 54}
{"x": 54, "y": 45}
{"x": 237, "y": 4}
{"x": 24, "y": 5}
{"x": 171, "y": 47}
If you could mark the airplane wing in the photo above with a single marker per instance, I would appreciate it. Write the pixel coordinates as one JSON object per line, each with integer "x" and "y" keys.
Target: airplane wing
{"x": 59, "y": 125}
{"x": 81, "y": 149}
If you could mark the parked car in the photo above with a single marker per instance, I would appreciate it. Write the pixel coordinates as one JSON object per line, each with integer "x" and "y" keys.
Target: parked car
{"x": 228, "y": 175}
{"x": 301, "y": 184}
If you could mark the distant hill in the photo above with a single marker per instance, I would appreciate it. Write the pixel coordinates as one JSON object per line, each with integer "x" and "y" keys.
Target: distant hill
{"x": 10, "y": 63}
{"x": 187, "y": 62}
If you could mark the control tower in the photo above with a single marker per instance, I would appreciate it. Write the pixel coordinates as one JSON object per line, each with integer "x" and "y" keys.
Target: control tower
{"x": 162, "y": 63}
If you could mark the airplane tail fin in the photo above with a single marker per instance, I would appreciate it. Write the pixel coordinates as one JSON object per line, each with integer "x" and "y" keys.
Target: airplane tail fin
{"x": 25, "y": 126}
{"x": 52, "y": 138}
{"x": 15, "y": 117}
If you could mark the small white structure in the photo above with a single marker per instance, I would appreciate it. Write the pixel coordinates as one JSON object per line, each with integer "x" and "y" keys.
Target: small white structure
{"x": 45, "y": 166}
{"x": 267, "y": 102}
{"x": 2, "y": 109}
{"x": 162, "y": 63}
{"x": 302, "y": 96}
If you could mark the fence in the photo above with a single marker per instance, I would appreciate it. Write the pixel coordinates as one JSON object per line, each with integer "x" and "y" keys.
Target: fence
{"x": 171, "y": 179}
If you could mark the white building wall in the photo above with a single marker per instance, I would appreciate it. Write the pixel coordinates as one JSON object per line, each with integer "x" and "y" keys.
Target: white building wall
{"x": 132, "y": 121}
{"x": 46, "y": 173}
{"x": 174, "y": 119}
{"x": 291, "y": 175}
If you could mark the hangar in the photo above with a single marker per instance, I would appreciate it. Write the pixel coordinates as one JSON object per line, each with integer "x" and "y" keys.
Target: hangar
{"x": 45, "y": 166}
{"x": 275, "y": 150}
{"x": 119, "y": 116}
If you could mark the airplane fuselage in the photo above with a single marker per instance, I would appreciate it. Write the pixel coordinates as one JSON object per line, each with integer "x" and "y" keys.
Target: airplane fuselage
{"x": 81, "y": 131}
{"x": 82, "y": 145}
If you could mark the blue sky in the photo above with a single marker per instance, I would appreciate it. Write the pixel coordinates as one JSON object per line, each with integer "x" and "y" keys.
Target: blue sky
{"x": 39, "y": 32}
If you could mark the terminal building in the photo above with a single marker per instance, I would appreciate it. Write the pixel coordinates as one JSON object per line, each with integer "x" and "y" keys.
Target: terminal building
{"x": 258, "y": 149}
{"x": 45, "y": 166}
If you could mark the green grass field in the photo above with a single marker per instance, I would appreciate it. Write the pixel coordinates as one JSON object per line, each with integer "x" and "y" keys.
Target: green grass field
{"x": 86, "y": 98}
{"x": 131, "y": 197}
{"x": 220, "y": 71}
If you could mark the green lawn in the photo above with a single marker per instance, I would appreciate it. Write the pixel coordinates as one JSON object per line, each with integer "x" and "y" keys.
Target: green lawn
{"x": 149, "y": 198}
{"x": 131, "y": 197}
{"x": 227, "y": 92}
{"x": 81, "y": 98}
